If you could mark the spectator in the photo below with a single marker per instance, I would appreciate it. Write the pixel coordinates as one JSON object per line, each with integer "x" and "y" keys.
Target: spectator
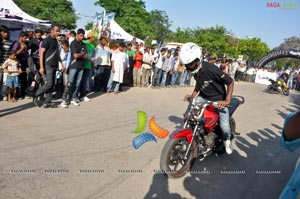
{"x": 154, "y": 54}
{"x": 78, "y": 56}
{"x": 6, "y": 45}
{"x": 174, "y": 69}
{"x": 65, "y": 57}
{"x": 134, "y": 44}
{"x": 166, "y": 70}
{"x": 87, "y": 71}
{"x": 137, "y": 73}
{"x": 146, "y": 67}
{"x": 158, "y": 69}
{"x": 249, "y": 74}
{"x": 33, "y": 59}
{"x": 290, "y": 80}
{"x": 72, "y": 36}
{"x": 295, "y": 80}
{"x": 102, "y": 65}
{"x": 117, "y": 70}
{"x": 12, "y": 67}
{"x": 62, "y": 73}
{"x": 49, "y": 58}
{"x": 234, "y": 67}
{"x": 130, "y": 52}
{"x": 22, "y": 55}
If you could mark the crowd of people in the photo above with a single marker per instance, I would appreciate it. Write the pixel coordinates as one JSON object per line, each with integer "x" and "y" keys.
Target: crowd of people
{"x": 47, "y": 65}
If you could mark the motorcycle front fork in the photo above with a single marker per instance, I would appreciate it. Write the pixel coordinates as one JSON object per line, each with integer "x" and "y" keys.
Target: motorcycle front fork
{"x": 190, "y": 144}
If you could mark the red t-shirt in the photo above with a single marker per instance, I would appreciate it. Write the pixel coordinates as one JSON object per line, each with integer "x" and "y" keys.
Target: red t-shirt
{"x": 138, "y": 60}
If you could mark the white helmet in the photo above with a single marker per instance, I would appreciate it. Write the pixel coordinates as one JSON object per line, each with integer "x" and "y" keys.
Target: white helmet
{"x": 188, "y": 53}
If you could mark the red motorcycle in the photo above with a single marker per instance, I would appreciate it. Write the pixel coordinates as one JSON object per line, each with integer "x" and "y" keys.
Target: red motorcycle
{"x": 201, "y": 136}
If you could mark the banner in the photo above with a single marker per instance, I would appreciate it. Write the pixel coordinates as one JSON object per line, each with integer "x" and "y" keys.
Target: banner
{"x": 262, "y": 77}
{"x": 103, "y": 22}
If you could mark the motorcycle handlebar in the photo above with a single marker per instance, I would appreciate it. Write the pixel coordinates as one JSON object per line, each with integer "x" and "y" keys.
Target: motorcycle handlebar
{"x": 204, "y": 104}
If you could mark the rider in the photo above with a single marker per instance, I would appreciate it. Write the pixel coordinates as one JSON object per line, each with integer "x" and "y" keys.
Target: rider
{"x": 282, "y": 81}
{"x": 210, "y": 86}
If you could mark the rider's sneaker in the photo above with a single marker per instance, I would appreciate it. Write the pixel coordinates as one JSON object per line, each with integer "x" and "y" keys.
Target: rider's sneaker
{"x": 228, "y": 147}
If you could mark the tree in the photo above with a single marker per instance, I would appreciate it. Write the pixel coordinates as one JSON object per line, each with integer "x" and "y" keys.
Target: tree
{"x": 292, "y": 43}
{"x": 59, "y": 11}
{"x": 253, "y": 49}
{"x": 160, "y": 24}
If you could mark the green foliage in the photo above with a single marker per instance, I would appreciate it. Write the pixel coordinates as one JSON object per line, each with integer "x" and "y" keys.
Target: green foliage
{"x": 59, "y": 11}
{"x": 214, "y": 40}
{"x": 160, "y": 24}
{"x": 89, "y": 26}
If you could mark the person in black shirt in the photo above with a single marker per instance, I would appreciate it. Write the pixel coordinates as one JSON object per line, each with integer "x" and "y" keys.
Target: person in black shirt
{"x": 49, "y": 58}
{"x": 78, "y": 55}
{"x": 33, "y": 61}
{"x": 211, "y": 85}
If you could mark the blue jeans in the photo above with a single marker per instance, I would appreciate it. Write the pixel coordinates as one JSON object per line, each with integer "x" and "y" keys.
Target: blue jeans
{"x": 174, "y": 78}
{"x": 223, "y": 120}
{"x": 163, "y": 79}
{"x": 12, "y": 81}
{"x": 112, "y": 85}
{"x": 183, "y": 78}
{"x": 156, "y": 76}
{"x": 85, "y": 82}
{"x": 74, "y": 81}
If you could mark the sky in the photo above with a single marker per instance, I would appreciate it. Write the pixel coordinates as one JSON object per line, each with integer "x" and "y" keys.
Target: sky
{"x": 244, "y": 18}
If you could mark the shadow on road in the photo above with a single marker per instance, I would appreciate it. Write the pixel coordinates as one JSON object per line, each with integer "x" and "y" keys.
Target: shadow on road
{"x": 12, "y": 110}
{"x": 159, "y": 189}
{"x": 250, "y": 172}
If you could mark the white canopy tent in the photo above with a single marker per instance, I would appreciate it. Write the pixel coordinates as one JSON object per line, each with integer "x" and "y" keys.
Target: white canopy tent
{"x": 117, "y": 32}
{"x": 15, "y": 18}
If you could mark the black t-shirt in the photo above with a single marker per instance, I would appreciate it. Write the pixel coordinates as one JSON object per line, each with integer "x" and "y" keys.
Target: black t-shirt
{"x": 77, "y": 47}
{"x": 5, "y": 47}
{"x": 211, "y": 82}
{"x": 34, "y": 45}
{"x": 51, "y": 56}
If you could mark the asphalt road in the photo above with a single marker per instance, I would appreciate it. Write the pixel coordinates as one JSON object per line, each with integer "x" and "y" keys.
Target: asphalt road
{"x": 86, "y": 152}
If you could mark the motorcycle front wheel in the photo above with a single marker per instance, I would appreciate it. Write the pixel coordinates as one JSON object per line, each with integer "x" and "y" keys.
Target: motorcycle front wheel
{"x": 172, "y": 161}
{"x": 286, "y": 92}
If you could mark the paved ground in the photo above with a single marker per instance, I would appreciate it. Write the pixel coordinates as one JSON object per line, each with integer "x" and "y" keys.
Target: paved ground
{"x": 86, "y": 152}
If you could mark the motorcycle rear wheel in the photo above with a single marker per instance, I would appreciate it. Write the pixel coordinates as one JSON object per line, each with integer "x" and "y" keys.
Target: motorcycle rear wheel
{"x": 270, "y": 89}
{"x": 172, "y": 161}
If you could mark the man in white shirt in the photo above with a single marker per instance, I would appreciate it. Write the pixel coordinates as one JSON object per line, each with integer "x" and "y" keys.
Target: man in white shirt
{"x": 146, "y": 67}
{"x": 102, "y": 65}
{"x": 158, "y": 68}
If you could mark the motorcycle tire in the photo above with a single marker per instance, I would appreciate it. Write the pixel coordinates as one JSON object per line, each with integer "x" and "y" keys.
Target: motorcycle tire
{"x": 172, "y": 161}
{"x": 286, "y": 92}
